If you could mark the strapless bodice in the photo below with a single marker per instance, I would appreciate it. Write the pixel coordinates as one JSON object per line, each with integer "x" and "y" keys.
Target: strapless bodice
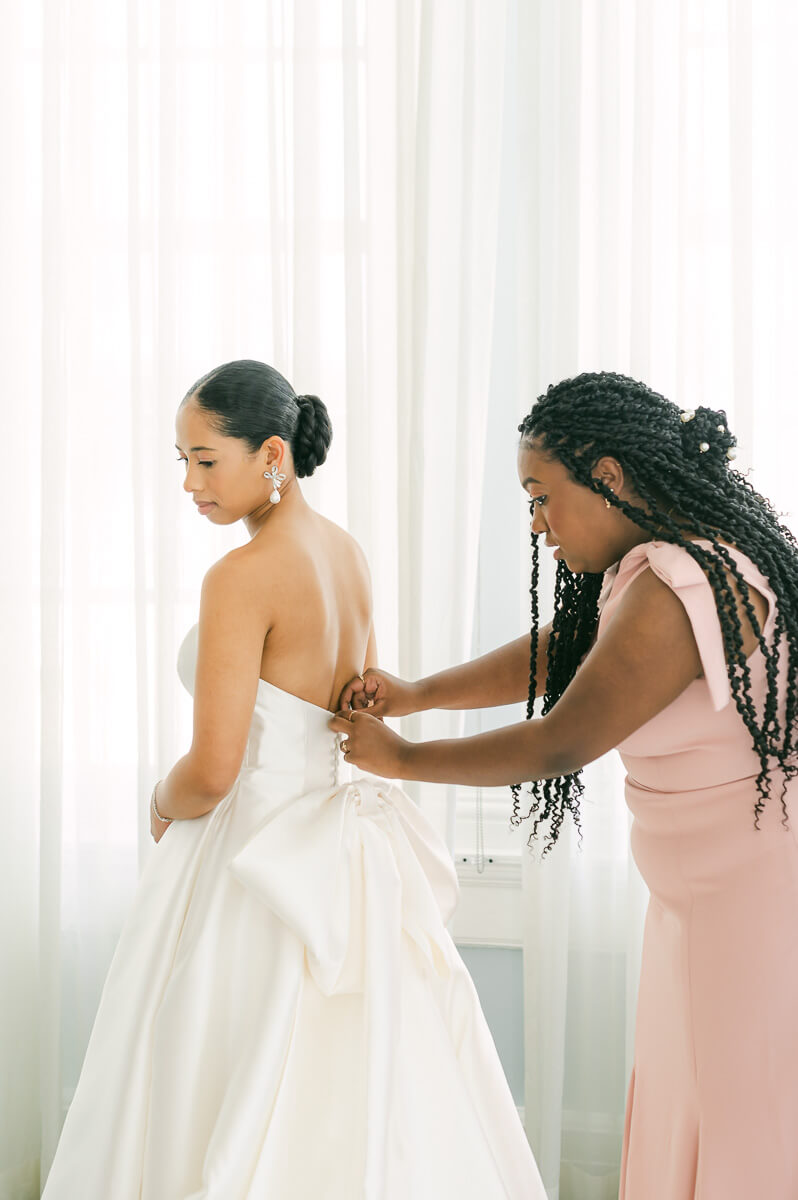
{"x": 289, "y": 737}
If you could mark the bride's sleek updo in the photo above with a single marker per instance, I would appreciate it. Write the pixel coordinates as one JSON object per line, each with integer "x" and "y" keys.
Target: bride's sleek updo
{"x": 250, "y": 400}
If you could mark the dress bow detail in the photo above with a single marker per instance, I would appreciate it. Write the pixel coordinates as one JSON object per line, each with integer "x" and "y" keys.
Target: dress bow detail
{"x": 348, "y": 871}
{"x": 340, "y": 867}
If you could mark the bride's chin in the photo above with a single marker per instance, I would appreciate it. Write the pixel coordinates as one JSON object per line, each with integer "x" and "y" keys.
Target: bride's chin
{"x": 217, "y": 516}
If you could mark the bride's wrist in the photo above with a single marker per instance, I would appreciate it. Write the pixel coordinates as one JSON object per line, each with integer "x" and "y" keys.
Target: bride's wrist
{"x": 154, "y": 807}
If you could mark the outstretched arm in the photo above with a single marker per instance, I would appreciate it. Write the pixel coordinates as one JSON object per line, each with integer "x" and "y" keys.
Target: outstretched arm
{"x": 499, "y": 677}
{"x": 645, "y": 658}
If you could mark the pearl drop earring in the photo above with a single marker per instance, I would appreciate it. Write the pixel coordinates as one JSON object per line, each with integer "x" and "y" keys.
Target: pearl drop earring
{"x": 277, "y": 478}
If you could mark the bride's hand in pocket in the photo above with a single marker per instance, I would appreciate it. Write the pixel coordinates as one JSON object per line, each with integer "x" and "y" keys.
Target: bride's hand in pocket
{"x": 369, "y": 744}
{"x": 157, "y": 828}
{"x": 381, "y": 694}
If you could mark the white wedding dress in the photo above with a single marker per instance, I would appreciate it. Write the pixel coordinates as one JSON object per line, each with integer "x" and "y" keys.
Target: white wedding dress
{"x": 286, "y": 1016}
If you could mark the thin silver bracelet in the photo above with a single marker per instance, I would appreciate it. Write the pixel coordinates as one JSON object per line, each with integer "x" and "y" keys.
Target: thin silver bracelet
{"x": 164, "y": 820}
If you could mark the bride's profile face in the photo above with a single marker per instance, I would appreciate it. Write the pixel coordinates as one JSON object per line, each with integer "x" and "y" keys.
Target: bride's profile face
{"x": 223, "y": 479}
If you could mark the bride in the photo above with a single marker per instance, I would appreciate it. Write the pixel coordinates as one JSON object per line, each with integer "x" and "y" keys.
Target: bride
{"x": 285, "y": 1015}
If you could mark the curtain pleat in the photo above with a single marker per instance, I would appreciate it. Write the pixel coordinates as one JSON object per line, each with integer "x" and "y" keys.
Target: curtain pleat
{"x": 55, "y": 444}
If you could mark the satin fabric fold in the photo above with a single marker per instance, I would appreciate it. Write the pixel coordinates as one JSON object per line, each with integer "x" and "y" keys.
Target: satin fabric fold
{"x": 312, "y": 863}
{"x": 347, "y": 872}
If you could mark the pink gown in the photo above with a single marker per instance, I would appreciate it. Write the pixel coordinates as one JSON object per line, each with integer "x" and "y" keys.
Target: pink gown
{"x": 712, "y": 1108}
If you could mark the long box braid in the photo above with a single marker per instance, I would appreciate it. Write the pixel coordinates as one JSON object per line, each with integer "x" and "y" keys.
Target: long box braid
{"x": 678, "y": 463}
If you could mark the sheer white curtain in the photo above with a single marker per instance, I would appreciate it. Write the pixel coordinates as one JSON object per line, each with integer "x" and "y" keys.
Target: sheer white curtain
{"x": 655, "y": 237}
{"x": 332, "y": 186}
{"x": 190, "y": 181}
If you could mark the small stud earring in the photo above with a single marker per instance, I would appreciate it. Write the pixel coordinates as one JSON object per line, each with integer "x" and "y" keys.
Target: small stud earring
{"x": 277, "y": 478}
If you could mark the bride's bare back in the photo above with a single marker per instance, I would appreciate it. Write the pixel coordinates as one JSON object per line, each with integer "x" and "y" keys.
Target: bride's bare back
{"x": 316, "y": 605}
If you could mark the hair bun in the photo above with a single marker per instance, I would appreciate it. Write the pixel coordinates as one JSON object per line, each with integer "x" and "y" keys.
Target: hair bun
{"x": 312, "y": 435}
{"x": 706, "y": 437}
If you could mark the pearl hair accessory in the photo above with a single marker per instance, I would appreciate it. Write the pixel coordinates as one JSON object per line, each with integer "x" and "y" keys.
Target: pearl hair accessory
{"x": 688, "y": 414}
{"x": 277, "y": 478}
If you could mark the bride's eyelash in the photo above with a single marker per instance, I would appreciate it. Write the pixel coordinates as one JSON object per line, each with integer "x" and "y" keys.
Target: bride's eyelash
{"x": 538, "y": 499}
{"x": 201, "y": 462}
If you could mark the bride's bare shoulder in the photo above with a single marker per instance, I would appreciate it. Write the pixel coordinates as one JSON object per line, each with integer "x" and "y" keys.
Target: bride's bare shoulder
{"x": 295, "y": 543}
{"x": 238, "y": 569}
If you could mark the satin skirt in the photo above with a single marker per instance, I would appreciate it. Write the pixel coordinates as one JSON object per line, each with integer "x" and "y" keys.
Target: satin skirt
{"x": 286, "y": 1016}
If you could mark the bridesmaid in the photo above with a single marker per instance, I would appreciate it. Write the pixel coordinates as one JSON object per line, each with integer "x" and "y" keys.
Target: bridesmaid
{"x": 674, "y": 640}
